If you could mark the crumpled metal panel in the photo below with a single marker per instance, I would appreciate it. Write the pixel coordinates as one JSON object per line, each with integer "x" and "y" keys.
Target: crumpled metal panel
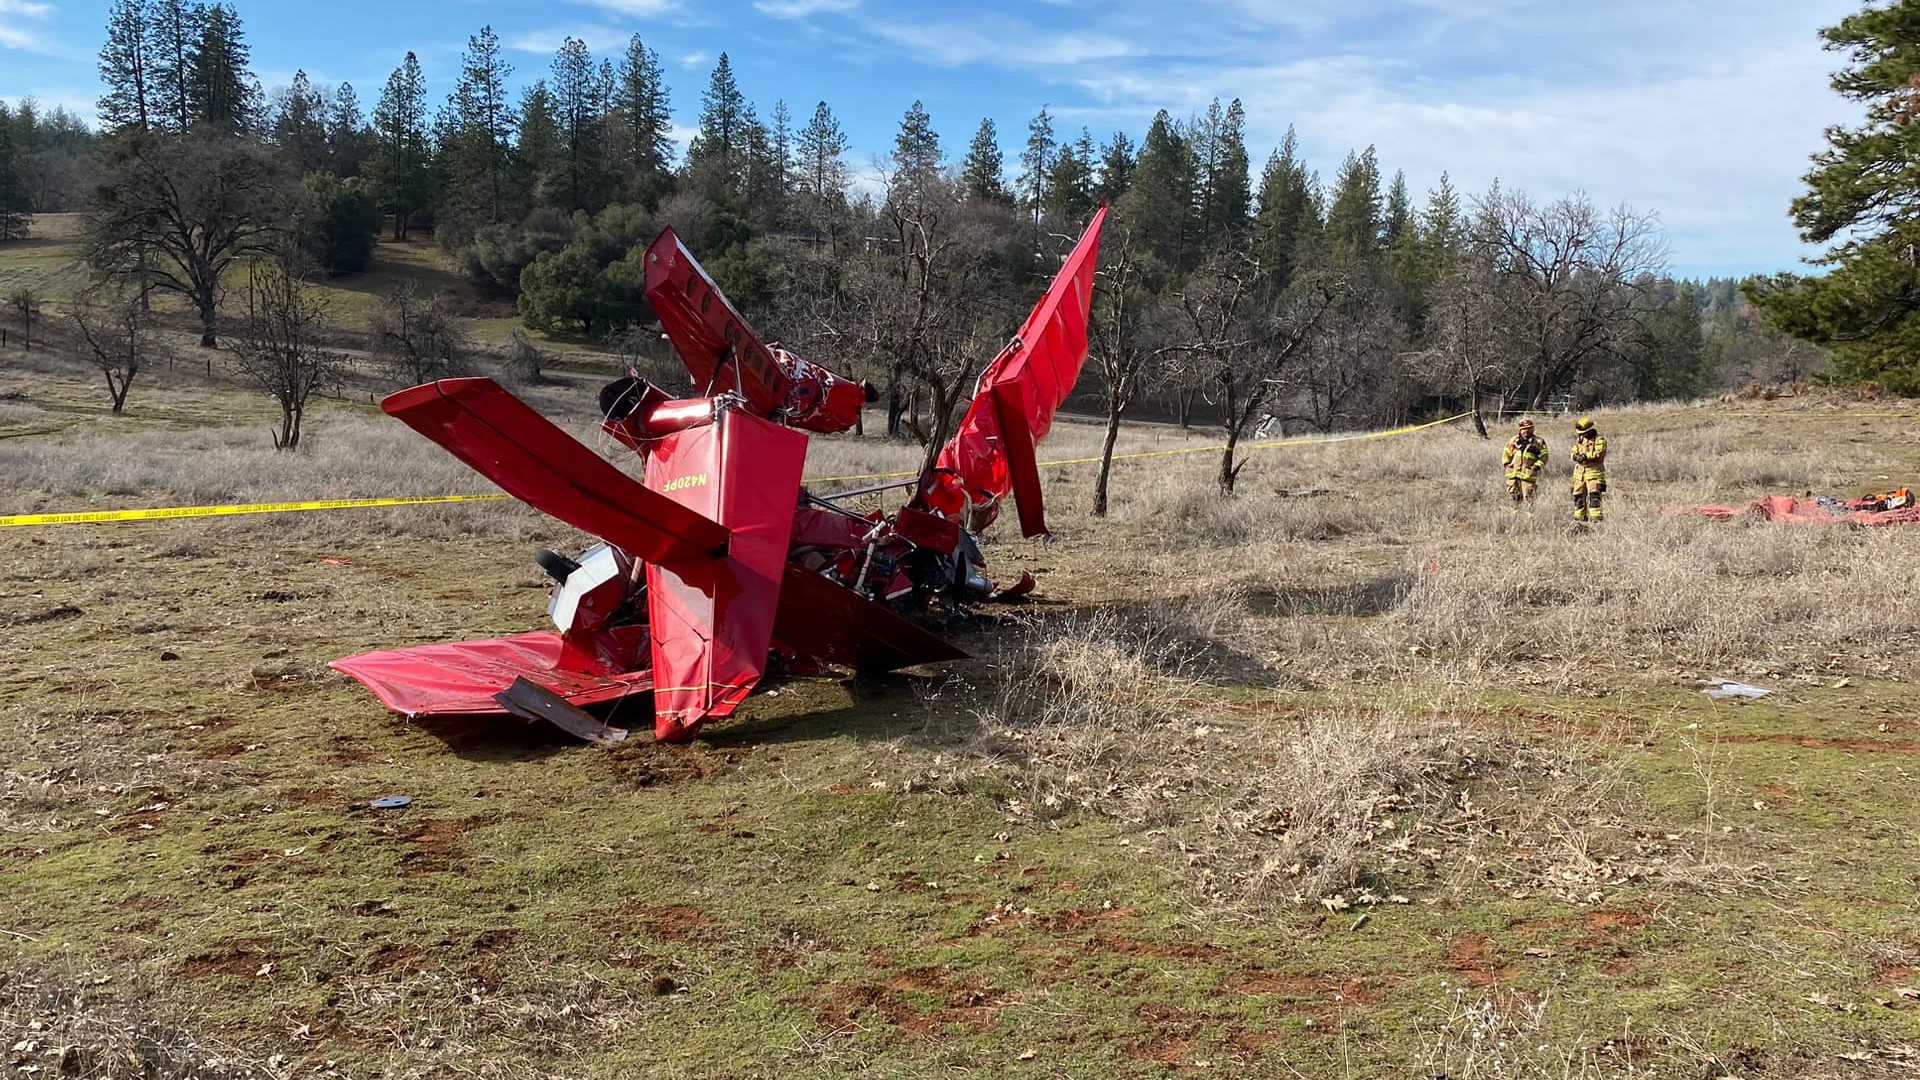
{"x": 460, "y": 678}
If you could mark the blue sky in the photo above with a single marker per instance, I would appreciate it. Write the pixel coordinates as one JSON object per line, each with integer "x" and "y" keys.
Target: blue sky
{"x": 1703, "y": 111}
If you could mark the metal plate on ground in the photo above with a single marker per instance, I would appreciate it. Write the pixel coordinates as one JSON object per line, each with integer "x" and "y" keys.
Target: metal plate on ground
{"x": 533, "y": 702}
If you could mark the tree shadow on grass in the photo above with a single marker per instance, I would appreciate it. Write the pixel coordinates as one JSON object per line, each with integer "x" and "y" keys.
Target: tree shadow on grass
{"x": 1362, "y": 599}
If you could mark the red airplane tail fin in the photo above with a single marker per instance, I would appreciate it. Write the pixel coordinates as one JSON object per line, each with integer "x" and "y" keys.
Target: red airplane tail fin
{"x": 713, "y": 616}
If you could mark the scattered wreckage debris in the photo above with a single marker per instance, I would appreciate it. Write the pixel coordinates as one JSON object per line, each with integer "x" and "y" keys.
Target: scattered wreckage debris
{"x": 1882, "y": 508}
{"x": 530, "y": 702}
{"x": 717, "y": 562}
{"x": 1728, "y": 688}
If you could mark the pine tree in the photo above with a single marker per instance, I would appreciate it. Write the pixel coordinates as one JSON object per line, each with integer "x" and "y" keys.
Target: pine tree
{"x": 1206, "y": 144}
{"x": 1070, "y": 183}
{"x": 299, "y": 125}
{"x": 222, "y": 91}
{"x": 715, "y": 159}
{"x": 1353, "y": 221}
{"x": 1116, "y": 168}
{"x": 1439, "y": 240}
{"x": 820, "y": 157}
{"x": 174, "y": 34}
{"x": 16, "y": 197}
{"x": 1671, "y": 360}
{"x": 1160, "y": 200}
{"x": 399, "y": 167}
{"x": 346, "y": 133}
{"x": 1863, "y": 198}
{"x": 1399, "y": 217}
{"x": 1225, "y": 187}
{"x": 479, "y": 149}
{"x": 125, "y": 62}
{"x": 983, "y": 173}
{"x": 1285, "y": 204}
{"x": 916, "y": 156}
{"x": 1036, "y": 163}
{"x": 782, "y": 135}
{"x": 764, "y": 172}
{"x": 1406, "y": 258}
{"x": 642, "y": 106}
{"x": 577, "y": 97}
{"x": 538, "y": 150}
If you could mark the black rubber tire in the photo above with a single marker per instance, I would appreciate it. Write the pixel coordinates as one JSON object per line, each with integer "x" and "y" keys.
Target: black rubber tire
{"x": 557, "y": 566}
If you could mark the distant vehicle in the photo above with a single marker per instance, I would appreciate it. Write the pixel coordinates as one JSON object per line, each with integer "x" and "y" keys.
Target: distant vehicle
{"x": 718, "y": 562}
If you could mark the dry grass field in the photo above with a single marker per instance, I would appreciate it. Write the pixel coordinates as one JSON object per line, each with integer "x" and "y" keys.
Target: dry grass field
{"x": 1358, "y": 774}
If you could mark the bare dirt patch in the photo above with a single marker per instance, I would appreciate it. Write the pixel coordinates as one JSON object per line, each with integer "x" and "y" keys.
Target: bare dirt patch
{"x": 673, "y": 922}
{"x": 239, "y": 959}
{"x": 646, "y": 764}
{"x": 436, "y": 843}
{"x": 921, "y": 1002}
{"x": 397, "y": 956}
{"x": 1472, "y": 956}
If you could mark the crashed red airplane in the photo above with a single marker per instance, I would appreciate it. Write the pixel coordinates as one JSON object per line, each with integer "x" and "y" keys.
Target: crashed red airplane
{"x": 718, "y": 561}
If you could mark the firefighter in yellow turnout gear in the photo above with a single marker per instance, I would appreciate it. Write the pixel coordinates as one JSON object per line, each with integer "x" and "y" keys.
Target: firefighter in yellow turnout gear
{"x": 1524, "y": 457}
{"x": 1589, "y": 470}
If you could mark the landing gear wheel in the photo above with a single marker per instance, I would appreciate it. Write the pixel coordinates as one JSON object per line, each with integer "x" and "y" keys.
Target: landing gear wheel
{"x": 557, "y": 566}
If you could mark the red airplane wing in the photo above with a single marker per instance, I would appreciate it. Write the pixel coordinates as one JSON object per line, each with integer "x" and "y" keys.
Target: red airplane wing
{"x": 460, "y": 678}
{"x": 482, "y": 424}
{"x": 712, "y": 617}
{"x": 721, "y": 352}
{"x": 1019, "y": 393}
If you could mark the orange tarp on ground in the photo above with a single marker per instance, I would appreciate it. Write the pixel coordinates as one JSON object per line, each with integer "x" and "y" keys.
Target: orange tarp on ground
{"x": 1812, "y": 511}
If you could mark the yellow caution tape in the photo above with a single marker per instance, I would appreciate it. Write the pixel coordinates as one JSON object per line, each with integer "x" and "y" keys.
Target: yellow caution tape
{"x": 87, "y": 517}
{"x": 90, "y": 517}
{"x": 1265, "y": 444}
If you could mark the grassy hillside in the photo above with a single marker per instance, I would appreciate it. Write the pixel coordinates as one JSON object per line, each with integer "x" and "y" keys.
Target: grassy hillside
{"x": 50, "y": 265}
{"x": 1361, "y": 773}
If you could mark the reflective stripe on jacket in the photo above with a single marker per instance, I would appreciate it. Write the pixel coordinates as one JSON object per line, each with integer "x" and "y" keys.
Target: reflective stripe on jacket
{"x": 1590, "y": 459}
{"x": 1524, "y": 459}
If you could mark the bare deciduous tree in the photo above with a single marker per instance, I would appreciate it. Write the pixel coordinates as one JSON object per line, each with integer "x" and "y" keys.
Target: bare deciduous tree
{"x": 525, "y": 362}
{"x": 1126, "y": 339}
{"x": 927, "y": 300}
{"x": 1237, "y": 349}
{"x": 24, "y": 307}
{"x": 278, "y": 348}
{"x": 119, "y": 337}
{"x": 177, "y": 213}
{"x": 1463, "y": 357}
{"x": 416, "y": 340}
{"x": 1347, "y": 377}
{"x": 1563, "y": 280}
{"x": 820, "y": 316}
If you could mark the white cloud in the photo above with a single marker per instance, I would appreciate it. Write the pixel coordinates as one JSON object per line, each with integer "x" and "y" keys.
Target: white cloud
{"x": 599, "y": 39}
{"x": 637, "y": 8}
{"x": 800, "y": 9}
{"x": 14, "y": 31}
{"x": 694, "y": 59}
{"x": 1001, "y": 44}
{"x": 1704, "y": 113}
